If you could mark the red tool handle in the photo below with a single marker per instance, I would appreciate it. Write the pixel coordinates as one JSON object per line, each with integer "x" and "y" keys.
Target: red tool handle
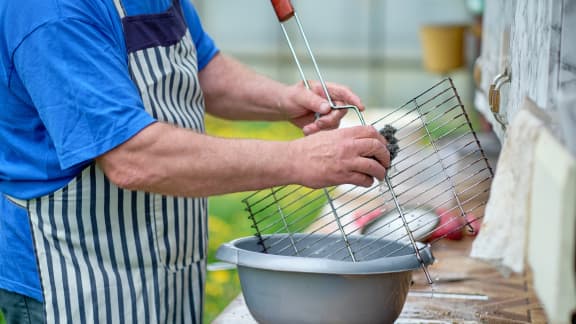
{"x": 284, "y": 9}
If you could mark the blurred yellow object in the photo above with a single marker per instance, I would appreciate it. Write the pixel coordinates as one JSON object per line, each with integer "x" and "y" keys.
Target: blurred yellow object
{"x": 222, "y": 277}
{"x": 443, "y": 47}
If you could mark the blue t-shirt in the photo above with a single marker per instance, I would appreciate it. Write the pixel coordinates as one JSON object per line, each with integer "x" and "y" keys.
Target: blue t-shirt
{"x": 65, "y": 98}
{"x": 65, "y": 94}
{"x": 18, "y": 270}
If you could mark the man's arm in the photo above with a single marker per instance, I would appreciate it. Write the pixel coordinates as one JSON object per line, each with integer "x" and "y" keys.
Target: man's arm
{"x": 169, "y": 160}
{"x": 174, "y": 161}
{"x": 233, "y": 91}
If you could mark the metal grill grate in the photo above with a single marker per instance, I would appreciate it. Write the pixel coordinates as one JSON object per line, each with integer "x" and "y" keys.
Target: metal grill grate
{"x": 437, "y": 184}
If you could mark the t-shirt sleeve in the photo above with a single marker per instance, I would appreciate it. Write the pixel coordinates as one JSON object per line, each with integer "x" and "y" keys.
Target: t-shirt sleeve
{"x": 78, "y": 79}
{"x": 205, "y": 47}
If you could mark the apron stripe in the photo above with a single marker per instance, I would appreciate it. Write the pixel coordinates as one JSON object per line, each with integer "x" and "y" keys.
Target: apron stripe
{"x": 181, "y": 94}
{"x": 118, "y": 258}
{"x": 125, "y": 216}
{"x": 36, "y": 206}
{"x": 175, "y": 299}
{"x": 80, "y": 260}
{"x": 180, "y": 79}
{"x": 143, "y": 80}
{"x": 196, "y": 97}
{"x": 65, "y": 252}
{"x": 120, "y": 8}
{"x": 185, "y": 231}
{"x": 203, "y": 230}
{"x": 109, "y": 213}
{"x": 193, "y": 293}
{"x": 198, "y": 116}
{"x": 159, "y": 69}
{"x": 182, "y": 298}
{"x": 154, "y": 262}
{"x": 155, "y": 70}
{"x": 166, "y": 73}
{"x": 185, "y": 258}
{"x": 151, "y": 67}
{"x": 188, "y": 88}
{"x": 172, "y": 206}
{"x": 167, "y": 301}
{"x": 186, "y": 310}
{"x": 177, "y": 215}
{"x": 167, "y": 91}
{"x": 170, "y": 75}
{"x": 200, "y": 234}
{"x": 199, "y": 291}
{"x": 146, "y": 62}
{"x": 137, "y": 200}
{"x": 166, "y": 234}
{"x": 94, "y": 216}
{"x": 176, "y": 84}
{"x": 179, "y": 105}
{"x": 194, "y": 230}
{"x": 63, "y": 301}
{"x": 141, "y": 83}
{"x": 167, "y": 281}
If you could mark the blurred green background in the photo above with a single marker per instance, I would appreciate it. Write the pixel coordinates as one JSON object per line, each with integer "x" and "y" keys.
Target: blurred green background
{"x": 227, "y": 216}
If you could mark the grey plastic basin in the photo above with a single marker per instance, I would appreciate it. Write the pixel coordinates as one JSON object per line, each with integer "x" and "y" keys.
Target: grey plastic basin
{"x": 317, "y": 287}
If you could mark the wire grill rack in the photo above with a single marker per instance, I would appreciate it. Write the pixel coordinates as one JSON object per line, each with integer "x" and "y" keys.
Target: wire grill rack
{"x": 436, "y": 186}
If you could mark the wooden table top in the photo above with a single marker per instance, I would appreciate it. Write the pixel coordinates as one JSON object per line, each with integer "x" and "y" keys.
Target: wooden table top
{"x": 469, "y": 290}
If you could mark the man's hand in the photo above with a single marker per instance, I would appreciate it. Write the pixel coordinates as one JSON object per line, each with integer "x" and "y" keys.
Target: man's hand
{"x": 354, "y": 155}
{"x": 234, "y": 91}
{"x": 301, "y": 105}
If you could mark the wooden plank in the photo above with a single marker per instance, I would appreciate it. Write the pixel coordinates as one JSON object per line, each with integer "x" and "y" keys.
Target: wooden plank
{"x": 468, "y": 290}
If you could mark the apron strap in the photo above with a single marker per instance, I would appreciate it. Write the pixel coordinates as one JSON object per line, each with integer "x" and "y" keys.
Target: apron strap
{"x": 120, "y": 8}
{"x": 18, "y": 202}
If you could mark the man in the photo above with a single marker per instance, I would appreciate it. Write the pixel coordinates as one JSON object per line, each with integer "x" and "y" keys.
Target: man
{"x": 101, "y": 127}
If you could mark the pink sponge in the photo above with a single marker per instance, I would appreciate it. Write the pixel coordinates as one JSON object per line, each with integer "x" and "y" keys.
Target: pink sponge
{"x": 452, "y": 225}
{"x": 363, "y": 219}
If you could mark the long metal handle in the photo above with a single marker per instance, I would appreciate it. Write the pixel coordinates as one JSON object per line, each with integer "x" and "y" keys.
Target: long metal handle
{"x": 285, "y": 11}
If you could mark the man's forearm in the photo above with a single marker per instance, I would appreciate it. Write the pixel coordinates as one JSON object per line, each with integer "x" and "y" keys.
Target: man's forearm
{"x": 233, "y": 91}
{"x": 174, "y": 161}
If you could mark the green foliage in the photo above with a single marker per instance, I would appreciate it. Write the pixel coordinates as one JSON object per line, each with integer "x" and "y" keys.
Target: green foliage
{"x": 227, "y": 221}
{"x": 228, "y": 218}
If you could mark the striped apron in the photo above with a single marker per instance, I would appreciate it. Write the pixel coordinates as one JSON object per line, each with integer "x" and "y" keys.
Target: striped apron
{"x": 109, "y": 255}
